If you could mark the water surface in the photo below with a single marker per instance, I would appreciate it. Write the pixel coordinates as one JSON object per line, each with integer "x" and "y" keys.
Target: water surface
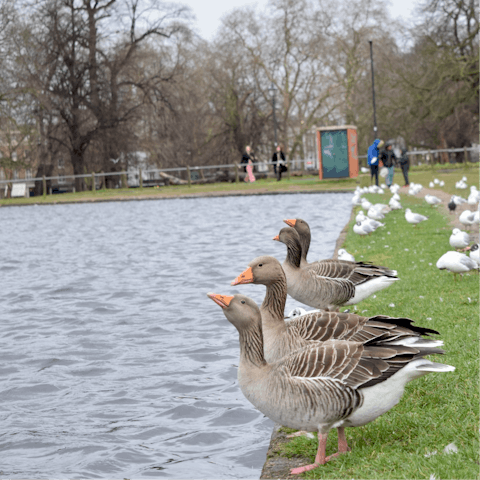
{"x": 113, "y": 362}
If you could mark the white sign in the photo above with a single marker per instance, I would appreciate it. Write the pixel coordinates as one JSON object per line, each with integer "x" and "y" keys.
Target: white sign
{"x": 19, "y": 190}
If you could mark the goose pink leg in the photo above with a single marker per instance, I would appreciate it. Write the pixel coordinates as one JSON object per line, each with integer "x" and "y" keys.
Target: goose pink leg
{"x": 319, "y": 459}
{"x": 342, "y": 444}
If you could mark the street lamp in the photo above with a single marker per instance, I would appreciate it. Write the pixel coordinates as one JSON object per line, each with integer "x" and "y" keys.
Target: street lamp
{"x": 373, "y": 93}
{"x": 273, "y": 90}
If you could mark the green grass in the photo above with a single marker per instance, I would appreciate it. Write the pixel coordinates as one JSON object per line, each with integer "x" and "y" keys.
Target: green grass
{"x": 270, "y": 185}
{"x": 426, "y": 176}
{"x": 306, "y": 183}
{"x": 437, "y": 409}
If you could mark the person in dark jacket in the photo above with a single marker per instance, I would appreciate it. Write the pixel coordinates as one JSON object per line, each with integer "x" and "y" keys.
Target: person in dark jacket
{"x": 372, "y": 159}
{"x": 389, "y": 160}
{"x": 405, "y": 165}
{"x": 278, "y": 161}
{"x": 247, "y": 155}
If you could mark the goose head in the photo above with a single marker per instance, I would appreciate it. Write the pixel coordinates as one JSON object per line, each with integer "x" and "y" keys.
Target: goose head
{"x": 301, "y": 226}
{"x": 240, "y": 310}
{"x": 263, "y": 270}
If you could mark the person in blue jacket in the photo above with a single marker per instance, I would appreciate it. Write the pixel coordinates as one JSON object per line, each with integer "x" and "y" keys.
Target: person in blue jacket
{"x": 372, "y": 158}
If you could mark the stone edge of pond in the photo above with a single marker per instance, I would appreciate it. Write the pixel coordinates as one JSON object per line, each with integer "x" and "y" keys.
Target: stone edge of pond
{"x": 277, "y": 466}
{"x": 182, "y": 196}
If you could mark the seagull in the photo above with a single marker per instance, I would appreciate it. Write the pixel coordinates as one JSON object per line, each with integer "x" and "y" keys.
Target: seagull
{"x": 366, "y": 204}
{"x": 458, "y": 200}
{"x": 459, "y": 239}
{"x": 414, "y": 218}
{"x": 431, "y": 185}
{"x": 467, "y": 218}
{"x": 456, "y": 262}
{"x": 475, "y": 254}
{"x": 436, "y": 181}
{"x": 364, "y": 170}
{"x": 394, "y": 204}
{"x": 375, "y": 213}
{"x": 360, "y": 229}
{"x": 441, "y": 184}
{"x": 344, "y": 255}
{"x": 432, "y": 199}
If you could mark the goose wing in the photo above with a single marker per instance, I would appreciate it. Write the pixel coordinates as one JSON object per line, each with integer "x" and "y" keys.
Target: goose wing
{"x": 353, "y": 364}
{"x": 328, "y": 291}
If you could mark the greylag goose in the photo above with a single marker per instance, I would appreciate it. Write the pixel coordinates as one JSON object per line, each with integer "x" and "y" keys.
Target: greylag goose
{"x": 329, "y": 282}
{"x": 356, "y": 271}
{"x": 284, "y": 337}
{"x": 328, "y": 385}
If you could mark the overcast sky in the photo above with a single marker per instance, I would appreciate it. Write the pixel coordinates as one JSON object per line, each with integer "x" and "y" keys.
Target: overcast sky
{"x": 209, "y": 12}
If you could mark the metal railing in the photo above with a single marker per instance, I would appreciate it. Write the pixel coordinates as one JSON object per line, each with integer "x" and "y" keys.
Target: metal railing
{"x": 296, "y": 165}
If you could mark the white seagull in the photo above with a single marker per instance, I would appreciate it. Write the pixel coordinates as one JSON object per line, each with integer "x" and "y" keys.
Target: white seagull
{"x": 459, "y": 239}
{"x": 361, "y": 229}
{"x": 432, "y": 199}
{"x": 475, "y": 254}
{"x": 467, "y": 218}
{"x": 456, "y": 262}
{"x": 344, "y": 255}
{"x": 414, "y": 218}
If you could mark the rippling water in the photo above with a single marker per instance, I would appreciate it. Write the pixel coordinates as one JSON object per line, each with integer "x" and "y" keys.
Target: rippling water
{"x": 113, "y": 362}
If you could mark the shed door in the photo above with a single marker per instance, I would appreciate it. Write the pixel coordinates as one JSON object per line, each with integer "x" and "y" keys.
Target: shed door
{"x": 334, "y": 154}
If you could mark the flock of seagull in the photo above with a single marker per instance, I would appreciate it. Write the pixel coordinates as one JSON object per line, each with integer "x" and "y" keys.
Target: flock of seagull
{"x": 453, "y": 261}
{"x": 323, "y": 369}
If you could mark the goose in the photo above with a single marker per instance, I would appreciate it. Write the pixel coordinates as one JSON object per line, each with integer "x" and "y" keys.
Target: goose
{"x": 467, "y": 218}
{"x": 357, "y": 273}
{"x": 414, "y": 218}
{"x": 326, "y": 385}
{"x": 283, "y": 337}
{"x": 459, "y": 239}
{"x": 456, "y": 262}
{"x": 344, "y": 255}
{"x": 332, "y": 282}
{"x": 475, "y": 254}
{"x": 432, "y": 199}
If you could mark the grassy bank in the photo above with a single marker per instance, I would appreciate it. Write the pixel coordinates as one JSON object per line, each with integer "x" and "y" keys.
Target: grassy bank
{"x": 440, "y": 408}
{"x": 307, "y": 183}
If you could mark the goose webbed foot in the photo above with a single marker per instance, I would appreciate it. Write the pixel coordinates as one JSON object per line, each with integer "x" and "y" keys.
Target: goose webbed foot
{"x": 319, "y": 459}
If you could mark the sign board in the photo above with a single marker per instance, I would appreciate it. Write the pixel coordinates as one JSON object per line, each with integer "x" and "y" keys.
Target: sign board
{"x": 19, "y": 190}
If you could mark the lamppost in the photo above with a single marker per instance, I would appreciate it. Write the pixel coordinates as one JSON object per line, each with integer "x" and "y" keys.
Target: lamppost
{"x": 273, "y": 90}
{"x": 373, "y": 93}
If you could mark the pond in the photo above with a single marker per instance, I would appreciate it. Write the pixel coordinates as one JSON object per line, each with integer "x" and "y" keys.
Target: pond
{"x": 113, "y": 361}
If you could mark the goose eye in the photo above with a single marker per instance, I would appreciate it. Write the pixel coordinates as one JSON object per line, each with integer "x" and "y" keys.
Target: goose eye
{"x": 260, "y": 264}
{"x": 243, "y": 301}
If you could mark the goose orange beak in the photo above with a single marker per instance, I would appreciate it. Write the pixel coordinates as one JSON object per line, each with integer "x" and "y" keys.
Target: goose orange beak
{"x": 222, "y": 300}
{"x": 244, "y": 277}
{"x": 291, "y": 222}
{"x": 277, "y": 238}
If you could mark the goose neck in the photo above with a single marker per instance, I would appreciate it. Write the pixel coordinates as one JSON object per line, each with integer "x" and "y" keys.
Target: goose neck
{"x": 294, "y": 253}
{"x": 251, "y": 347}
{"x": 273, "y": 306}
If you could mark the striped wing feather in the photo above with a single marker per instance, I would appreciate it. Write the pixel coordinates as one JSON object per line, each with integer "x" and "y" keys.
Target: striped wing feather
{"x": 352, "y": 363}
{"x": 336, "y": 291}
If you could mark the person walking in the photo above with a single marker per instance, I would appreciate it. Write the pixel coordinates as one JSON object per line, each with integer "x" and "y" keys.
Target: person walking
{"x": 278, "y": 161}
{"x": 389, "y": 160}
{"x": 248, "y": 159}
{"x": 372, "y": 159}
{"x": 405, "y": 165}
